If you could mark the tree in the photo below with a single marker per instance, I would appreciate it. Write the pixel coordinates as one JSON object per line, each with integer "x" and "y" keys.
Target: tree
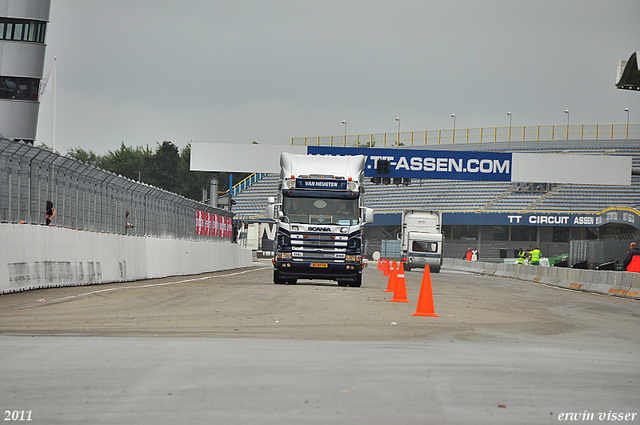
{"x": 164, "y": 167}
{"x": 167, "y": 168}
{"x": 191, "y": 182}
{"x": 364, "y": 144}
{"x": 87, "y": 157}
{"x": 127, "y": 162}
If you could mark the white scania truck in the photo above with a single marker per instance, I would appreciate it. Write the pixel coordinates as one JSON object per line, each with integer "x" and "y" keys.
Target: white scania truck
{"x": 320, "y": 215}
{"x": 422, "y": 239}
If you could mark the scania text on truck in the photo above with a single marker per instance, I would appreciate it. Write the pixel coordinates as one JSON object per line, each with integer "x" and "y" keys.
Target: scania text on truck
{"x": 320, "y": 215}
{"x": 422, "y": 239}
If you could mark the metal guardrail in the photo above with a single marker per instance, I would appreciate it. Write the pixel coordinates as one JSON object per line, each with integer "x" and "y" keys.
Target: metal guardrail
{"x": 88, "y": 198}
{"x": 477, "y": 135}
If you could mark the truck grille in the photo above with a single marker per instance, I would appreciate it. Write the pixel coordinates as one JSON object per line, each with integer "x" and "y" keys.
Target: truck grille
{"x": 319, "y": 247}
{"x": 318, "y": 243}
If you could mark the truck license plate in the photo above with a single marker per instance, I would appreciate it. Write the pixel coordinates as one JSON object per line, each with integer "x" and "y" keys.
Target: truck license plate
{"x": 321, "y": 265}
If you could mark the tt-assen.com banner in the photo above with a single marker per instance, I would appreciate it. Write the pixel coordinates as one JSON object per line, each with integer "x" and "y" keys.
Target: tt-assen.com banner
{"x": 429, "y": 164}
{"x": 213, "y": 225}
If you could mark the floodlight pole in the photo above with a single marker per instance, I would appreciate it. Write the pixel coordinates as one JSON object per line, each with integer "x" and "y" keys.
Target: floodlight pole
{"x": 626, "y": 133}
{"x": 345, "y": 132}
{"x": 55, "y": 76}
{"x": 453, "y": 133}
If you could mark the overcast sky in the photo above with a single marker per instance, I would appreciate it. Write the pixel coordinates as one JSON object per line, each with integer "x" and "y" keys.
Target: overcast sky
{"x": 143, "y": 71}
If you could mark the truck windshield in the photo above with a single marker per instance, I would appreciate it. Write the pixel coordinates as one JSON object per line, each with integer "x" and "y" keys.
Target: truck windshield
{"x": 321, "y": 210}
{"x": 424, "y": 246}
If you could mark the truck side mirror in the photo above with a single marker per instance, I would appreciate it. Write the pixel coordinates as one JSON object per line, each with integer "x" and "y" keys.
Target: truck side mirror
{"x": 271, "y": 213}
{"x": 368, "y": 216}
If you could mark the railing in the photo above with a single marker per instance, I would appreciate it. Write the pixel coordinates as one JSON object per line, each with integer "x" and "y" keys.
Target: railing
{"x": 477, "y": 135}
{"x": 87, "y": 198}
{"x": 237, "y": 188}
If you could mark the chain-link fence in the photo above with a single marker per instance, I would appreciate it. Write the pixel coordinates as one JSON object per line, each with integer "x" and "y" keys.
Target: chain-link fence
{"x": 88, "y": 198}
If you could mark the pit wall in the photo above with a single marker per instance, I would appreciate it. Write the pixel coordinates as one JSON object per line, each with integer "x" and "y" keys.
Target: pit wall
{"x": 621, "y": 284}
{"x": 34, "y": 257}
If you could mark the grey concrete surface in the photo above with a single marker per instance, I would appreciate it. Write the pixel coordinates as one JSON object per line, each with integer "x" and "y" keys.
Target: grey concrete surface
{"x": 232, "y": 348}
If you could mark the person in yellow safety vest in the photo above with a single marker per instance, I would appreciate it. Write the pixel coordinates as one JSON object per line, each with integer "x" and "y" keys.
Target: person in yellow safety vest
{"x": 535, "y": 257}
{"x": 521, "y": 255}
{"x": 632, "y": 262}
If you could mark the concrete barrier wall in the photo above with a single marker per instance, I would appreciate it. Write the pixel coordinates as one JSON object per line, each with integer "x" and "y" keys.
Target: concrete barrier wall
{"x": 621, "y": 284}
{"x": 40, "y": 257}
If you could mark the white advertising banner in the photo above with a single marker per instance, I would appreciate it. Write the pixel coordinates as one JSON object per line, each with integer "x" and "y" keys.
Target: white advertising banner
{"x": 238, "y": 157}
{"x": 570, "y": 168}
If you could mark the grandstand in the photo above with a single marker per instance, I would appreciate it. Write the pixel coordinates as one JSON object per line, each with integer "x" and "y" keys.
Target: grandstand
{"x": 481, "y": 199}
{"x": 478, "y": 197}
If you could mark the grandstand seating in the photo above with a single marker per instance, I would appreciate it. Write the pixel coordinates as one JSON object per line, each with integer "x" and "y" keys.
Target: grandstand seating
{"x": 465, "y": 196}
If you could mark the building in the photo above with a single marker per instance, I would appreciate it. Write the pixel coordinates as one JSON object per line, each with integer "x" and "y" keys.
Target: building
{"x": 23, "y": 30}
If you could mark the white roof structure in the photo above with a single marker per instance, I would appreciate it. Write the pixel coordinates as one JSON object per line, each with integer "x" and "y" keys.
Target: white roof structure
{"x": 338, "y": 166}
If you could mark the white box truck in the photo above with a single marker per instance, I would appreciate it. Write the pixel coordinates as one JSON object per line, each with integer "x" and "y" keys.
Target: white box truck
{"x": 422, "y": 239}
{"x": 320, "y": 214}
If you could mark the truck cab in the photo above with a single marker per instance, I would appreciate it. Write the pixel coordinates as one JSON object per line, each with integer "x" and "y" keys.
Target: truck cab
{"x": 320, "y": 216}
{"x": 422, "y": 239}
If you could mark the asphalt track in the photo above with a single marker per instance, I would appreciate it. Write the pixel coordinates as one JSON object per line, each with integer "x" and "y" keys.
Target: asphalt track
{"x": 233, "y": 348}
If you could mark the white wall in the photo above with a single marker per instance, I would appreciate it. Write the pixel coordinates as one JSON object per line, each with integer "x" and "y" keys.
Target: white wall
{"x": 34, "y": 256}
{"x": 617, "y": 283}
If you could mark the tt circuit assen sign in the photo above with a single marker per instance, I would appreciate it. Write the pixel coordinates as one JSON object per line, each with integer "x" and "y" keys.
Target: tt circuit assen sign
{"x": 497, "y": 219}
{"x": 425, "y": 164}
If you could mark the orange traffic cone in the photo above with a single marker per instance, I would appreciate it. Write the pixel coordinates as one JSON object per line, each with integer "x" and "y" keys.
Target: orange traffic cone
{"x": 385, "y": 268}
{"x": 378, "y": 267}
{"x": 400, "y": 293}
{"x": 425, "y": 302}
{"x": 393, "y": 276}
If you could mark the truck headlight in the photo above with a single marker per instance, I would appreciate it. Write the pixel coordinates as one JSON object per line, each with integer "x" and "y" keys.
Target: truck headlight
{"x": 357, "y": 258}
{"x": 284, "y": 256}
